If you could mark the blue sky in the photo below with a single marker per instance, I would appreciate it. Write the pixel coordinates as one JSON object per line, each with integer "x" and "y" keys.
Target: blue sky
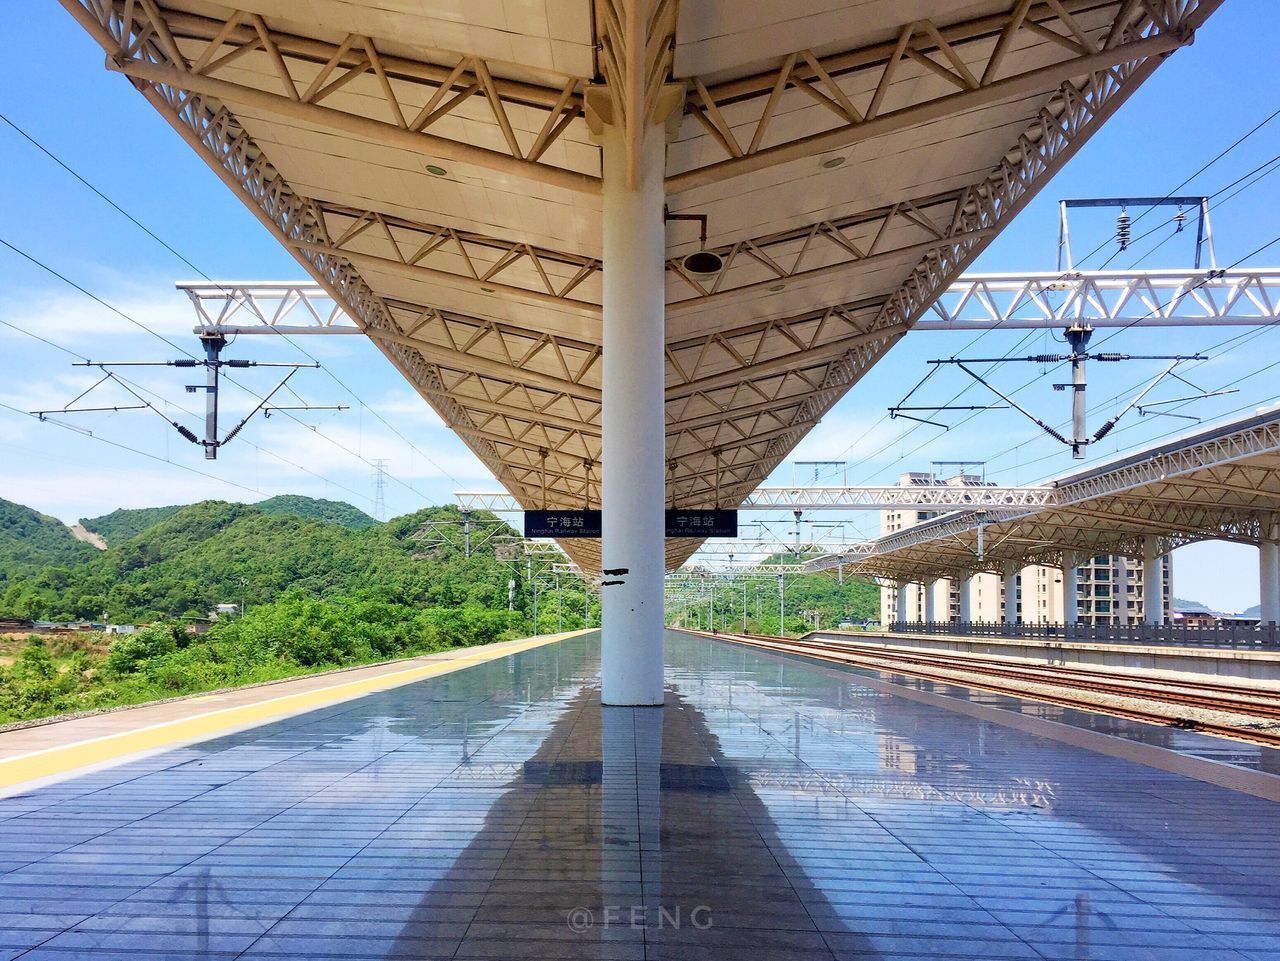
{"x": 1203, "y": 99}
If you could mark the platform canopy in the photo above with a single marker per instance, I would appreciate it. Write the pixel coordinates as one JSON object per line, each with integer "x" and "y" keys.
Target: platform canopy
{"x": 435, "y": 165}
{"x": 1218, "y": 484}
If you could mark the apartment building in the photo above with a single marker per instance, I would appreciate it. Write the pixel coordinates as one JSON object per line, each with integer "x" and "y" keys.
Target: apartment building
{"x": 1110, "y": 588}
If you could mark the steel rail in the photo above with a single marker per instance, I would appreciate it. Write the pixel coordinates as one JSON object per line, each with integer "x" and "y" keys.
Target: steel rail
{"x": 933, "y": 667}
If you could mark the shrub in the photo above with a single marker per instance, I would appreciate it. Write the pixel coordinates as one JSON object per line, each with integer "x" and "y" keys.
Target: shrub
{"x": 130, "y": 651}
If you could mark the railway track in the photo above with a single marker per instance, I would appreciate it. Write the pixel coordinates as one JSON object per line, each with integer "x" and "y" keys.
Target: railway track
{"x": 1158, "y": 701}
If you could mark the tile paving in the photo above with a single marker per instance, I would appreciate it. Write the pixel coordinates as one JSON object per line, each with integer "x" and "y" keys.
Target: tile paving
{"x": 775, "y": 809}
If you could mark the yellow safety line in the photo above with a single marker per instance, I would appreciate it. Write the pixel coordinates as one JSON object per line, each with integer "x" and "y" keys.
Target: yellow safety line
{"x": 53, "y": 761}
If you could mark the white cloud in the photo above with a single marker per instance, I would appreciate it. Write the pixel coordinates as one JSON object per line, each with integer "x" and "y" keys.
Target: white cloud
{"x": 338, "y": 446}
{"x": 76, "y": 322}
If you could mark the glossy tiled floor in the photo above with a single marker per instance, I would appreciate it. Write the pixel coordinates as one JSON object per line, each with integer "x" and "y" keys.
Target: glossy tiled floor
{"x": 773, "y": 810}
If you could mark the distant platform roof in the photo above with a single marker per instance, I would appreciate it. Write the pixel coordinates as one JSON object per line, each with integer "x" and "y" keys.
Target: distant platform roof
{"x": 431, "y": 165}
{"x": 1222, "y": 483}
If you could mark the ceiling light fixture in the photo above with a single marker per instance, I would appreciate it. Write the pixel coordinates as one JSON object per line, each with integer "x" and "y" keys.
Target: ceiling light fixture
{"x": 703, "y": 262}
{"x": 830, "y": 163}
{"x": 436, "y": 170}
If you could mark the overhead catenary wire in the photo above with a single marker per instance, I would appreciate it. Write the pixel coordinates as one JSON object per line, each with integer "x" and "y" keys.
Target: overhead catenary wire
{"x": 164, "y": 400}
{"x": 150, "y": 233}
{"x": 144, "y": 327}
{"x": 1257, "y": 172}
{"x": 134, "y": 450}
{"x": 1176, "y": 190}
{"x": 1266, "y": 168}
{"x": 1244, "y": 336}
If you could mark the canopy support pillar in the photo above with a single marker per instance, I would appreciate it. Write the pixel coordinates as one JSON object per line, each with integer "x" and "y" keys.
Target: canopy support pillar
{"x": 633, "y": 463}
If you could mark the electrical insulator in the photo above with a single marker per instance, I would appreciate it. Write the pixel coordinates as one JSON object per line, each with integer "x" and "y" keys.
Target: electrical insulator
{"x": 1179, "y": 221}
{"x": 1122, "y": 229}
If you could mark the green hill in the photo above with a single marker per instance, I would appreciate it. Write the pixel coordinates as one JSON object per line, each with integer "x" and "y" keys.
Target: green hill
{"x": 124, "y": 524}
{"x": 318, "y": 591}
{"x": 317, "y": 594}
{"x": 217, "y": 552}
{"x": 120, "y": 525}
{"x": 317, "y": 509}
{"x": 30, "y": 540}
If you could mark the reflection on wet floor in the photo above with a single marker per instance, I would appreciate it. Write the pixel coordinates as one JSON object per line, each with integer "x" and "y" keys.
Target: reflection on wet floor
{"x": 776, "y": 809}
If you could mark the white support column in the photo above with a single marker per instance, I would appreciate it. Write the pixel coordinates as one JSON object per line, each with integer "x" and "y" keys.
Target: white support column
{"x": 1070, "y": 588}
{"x": 966, "y": 600}
{"x": 930, "y": 588}
{"x": 1010, "y": 576}
{"x": 1152, "y": 581}
{"x": 900, "y": 603}
{"x": 633, "y": 461}
{"x": 1269, "y": 580}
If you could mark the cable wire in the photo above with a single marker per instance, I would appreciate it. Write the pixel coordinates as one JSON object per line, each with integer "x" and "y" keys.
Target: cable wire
{"x": 150, "y": 233}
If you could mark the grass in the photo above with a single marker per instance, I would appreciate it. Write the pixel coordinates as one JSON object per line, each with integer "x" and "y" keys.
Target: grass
{"x": 70, "y": 674}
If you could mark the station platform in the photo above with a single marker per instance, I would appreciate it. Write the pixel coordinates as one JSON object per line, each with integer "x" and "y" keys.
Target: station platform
{"x": 777, "y": 808}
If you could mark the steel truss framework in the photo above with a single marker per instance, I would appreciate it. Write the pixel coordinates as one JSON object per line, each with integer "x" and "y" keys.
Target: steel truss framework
{"x": 1130, "y": 298}
{"x": 160, "y": 46}
{"x": 924, "y": 497}
{"x": 526, "y": 399}
{"x": 1222, "y": 484}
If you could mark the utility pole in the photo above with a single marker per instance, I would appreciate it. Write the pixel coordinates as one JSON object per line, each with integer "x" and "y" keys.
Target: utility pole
{"x": 466, "y": 535}
{"x": 559, "y": 606}
{"x": 213, "y": 366}
{"x": 744, "y": 605}
{"x": 534, "y": 587}
{"x": 379, "y": 487}
{"x": 782, "y": 605}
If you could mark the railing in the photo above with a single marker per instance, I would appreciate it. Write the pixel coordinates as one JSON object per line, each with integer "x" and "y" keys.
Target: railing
{"x": 1256, "y": 637}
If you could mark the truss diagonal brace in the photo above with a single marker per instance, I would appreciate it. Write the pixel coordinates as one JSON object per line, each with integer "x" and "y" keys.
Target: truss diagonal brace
{"x": 1032, "y": 82}
{"x": 375, "y": 130}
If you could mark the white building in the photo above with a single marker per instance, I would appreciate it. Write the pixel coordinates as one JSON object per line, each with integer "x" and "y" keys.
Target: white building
{"x": 1109, "y": 588}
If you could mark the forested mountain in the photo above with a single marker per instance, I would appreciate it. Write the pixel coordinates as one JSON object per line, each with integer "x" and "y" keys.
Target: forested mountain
{"x": 217, "y": 552}
{"x": 30, "y": 541}
{"x": 121, "y": 525}
{"x": 317, "y": 509}
{"x": 328, "y": 589}
{"x": 124, "y": 523}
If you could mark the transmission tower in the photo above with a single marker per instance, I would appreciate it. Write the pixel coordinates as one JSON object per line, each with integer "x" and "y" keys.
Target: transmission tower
{"x": 380, "y": 487}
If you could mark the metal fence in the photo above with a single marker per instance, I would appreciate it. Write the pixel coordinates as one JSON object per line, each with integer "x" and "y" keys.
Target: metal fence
{"x": 1245, "y": 637}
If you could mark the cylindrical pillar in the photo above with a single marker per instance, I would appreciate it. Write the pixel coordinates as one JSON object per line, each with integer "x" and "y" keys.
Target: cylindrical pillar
{"x": 1152, "y": 581}
{"x": 930, "y": 588}
{"x": 1269, "y": 580}
{"x": 633, "y": 462}
{"x": 900, "y": 603}
{"x": 966, "y": 600}
{"x": 1070, "y": 587}
{"x": 1010, "y": 576}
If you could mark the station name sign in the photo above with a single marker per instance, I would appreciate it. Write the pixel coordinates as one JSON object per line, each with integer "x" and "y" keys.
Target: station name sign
{"x": 702, "y": 523}
{"x": 586, "y": 523}
{"x": 561, "y": 523}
